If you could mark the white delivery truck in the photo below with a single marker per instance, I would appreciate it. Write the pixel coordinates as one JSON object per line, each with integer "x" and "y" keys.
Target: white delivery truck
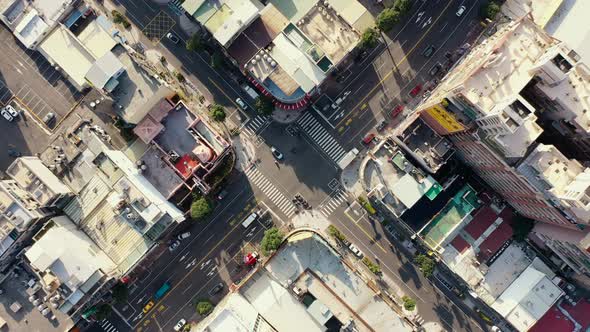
{"x": 251, "y": 92}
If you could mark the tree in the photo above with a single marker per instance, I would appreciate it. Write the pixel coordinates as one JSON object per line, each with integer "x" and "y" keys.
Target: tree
{"x": 204, "y": 307}
{"x": 195, "y": 43}
{"x": 119, "y": 18}
{"x": 369, "y": 38}
{"x": 200, "y": 208}
{"x": 264, "y": 105}
{"x": 271, "y": 241}
{"x": 426, "y": 264}
{"x": 409, "y": 303}
{"x": 387, "y": 19}
{"x": 120, "y": 292}
{"x": 521, "y": 227}
{"x": 402, "y": 6}
{"x": 335, "y": 233}
{"x": 217, "y": 60}
{"x": 103, "y": 311}
{"x": 217, "y": 113}
{"x": 489, "y": 10}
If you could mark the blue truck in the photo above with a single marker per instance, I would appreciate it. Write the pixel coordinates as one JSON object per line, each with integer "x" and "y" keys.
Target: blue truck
{"x": 165, "y": 288}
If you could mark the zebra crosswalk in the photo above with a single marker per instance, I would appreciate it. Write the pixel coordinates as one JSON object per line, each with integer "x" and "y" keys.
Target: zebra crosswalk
{"x": 283, "y": 203}
{"x": 107, "y": 326}
{"x": 254, "y": 125}
{"x": 336, "y": 199}
{"x": 314, "y": 129}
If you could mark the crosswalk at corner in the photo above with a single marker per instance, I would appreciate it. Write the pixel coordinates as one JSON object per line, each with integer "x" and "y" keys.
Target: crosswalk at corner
{"x": 419, "y": 320}
{"x": 336, "y": 200}
{"x": 107, "y": 326}
{"x": 254, "y": 124}
{"x": 283, "y": 203}
{"x": 314, "y": 129}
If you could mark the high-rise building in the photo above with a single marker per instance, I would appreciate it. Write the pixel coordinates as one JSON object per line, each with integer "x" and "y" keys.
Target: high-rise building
{"x": 493, "y": 106}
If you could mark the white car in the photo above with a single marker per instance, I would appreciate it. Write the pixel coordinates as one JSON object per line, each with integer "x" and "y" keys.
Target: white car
{"x": 356, "y": 251}
{"x": 460, "y": 11}
{"x": 11, "y": 110}
{"x": 172, "y": 37}
{"x": 6, "y": 115}
{"x": 242, "y": 104}
{"x": 181, "y": 323}
{"x": 276, "y": 153}
{"x": 184, "y": 235}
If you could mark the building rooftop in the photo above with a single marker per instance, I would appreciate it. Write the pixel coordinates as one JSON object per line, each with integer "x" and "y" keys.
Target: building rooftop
{"x": 68, "y": 261}
{"x": 502, "y": 273}
{"x": 454, "y": 214}
{"x": 420, "y": 139}
{"x": 556, "y": 320}
{"x": 32, "y": 174}
{"x": 397, "y": 182}
{"x": 482, "y": 220}
{"x": 564, "y": 24}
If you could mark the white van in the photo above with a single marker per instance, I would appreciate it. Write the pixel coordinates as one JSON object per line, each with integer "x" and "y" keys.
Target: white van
{"x": 248, "y": 221}
{"x": 251, "y": 92}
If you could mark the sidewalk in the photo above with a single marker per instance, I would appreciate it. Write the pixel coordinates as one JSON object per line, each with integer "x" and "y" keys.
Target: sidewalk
{"x": 245, "y": 152}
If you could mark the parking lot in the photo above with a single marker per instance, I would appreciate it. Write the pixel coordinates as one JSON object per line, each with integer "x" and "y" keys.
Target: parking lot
{"x": 27, "y": 77}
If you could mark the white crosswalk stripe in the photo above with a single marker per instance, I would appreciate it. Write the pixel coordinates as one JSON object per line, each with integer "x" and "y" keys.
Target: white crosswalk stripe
{"x": 337, "y": 199}
{"x": 314, "y": 129}
{"x": 272, "y": 193}
{"x": 107, "y": 326}
{"x": 254, "y": 124}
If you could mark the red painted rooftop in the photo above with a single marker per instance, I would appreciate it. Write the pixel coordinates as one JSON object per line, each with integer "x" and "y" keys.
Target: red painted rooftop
{"x": 555, "y": 321}
{"x": 494, "y": 242}
{"x": 460, "y": 244}
{"x": 482, "y": 220}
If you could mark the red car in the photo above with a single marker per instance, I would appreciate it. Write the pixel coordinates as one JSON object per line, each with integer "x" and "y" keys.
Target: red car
{"x": 397, "y": 110}
{"x": 369, "y": 138}
{"x": 416, "y": 90}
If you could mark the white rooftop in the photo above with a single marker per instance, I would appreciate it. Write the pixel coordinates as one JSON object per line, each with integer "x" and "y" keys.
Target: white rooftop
{"x": 409, "y": 191}
{"x": 566, "y": 22}
{"x": 295, "y": 63}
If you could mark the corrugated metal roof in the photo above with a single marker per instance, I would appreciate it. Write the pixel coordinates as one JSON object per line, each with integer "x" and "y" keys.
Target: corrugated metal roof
{"x": 89, "y": 198}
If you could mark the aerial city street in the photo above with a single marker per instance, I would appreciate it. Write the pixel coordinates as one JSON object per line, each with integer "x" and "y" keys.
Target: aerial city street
{"x": 295, "y": 165}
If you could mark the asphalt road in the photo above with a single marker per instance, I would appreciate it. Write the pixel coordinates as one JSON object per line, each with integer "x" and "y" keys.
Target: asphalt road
{"x": 375, "y": 88}
{"x": 305, "y": 169}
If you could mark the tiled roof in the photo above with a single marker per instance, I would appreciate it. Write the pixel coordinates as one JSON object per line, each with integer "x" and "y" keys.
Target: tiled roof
{"x": 460, "y": 244}
{"x": 495, "y": 241}
{"x": 482, "y": 220}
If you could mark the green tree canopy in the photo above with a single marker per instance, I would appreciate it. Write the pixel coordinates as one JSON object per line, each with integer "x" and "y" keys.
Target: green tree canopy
{"x": 204, "y": 307}
{"x": 409, "y": 303}
{"x": 489, "y": 10}
{"x": 103, "y": 311}
{"x": 387, "y": 19}
{"x": 217, "y": 60}
{"x": 402, "y": 6}
{"x": 426, "y": 264}
{"x": 195, "y": 43}
{"x": 200, "y": 208}
{"x": 264, "y": 105}
{"x": 120, "y": 292}
{"x": 369, "y": 38}
{"x": 271, "y": 241}
{"x": 217, "y": 113}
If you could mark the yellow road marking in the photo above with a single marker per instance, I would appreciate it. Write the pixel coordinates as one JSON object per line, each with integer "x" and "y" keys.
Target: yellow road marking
{"x": 196, "y": 266}
{"x": 155, "y": 41}
{"x": 405, "y": 58}
{"x": 372, "y": 238}
{"x": 225, "y": 94}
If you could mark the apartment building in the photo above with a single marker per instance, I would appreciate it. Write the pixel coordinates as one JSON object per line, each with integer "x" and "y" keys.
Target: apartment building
{"x": 490, "y": 106}
{"x": 286, "y": 48}
{"x": 27, "y": 198}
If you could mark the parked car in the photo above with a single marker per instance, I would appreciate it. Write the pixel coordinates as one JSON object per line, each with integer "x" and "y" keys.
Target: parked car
{"x": 416, "y": 90}
{"x": 172, "y": 37}
{"x": 382, "y": 125}
{"x": 355, "y": 250}
{"x": 429, "y": 51}
{"x": 276, "y": 153}
{"x": 48, "y": 117}
{"x": 181, "y": 323}
{"x": 460, "y": 11}
{"x": 216, "y": 289}
{"x": 11, "y": 110}
{"x": 222, "y": 195}
{"x": 148, "y": 306}
{"x": 369, "y": 138}
{"x": 183, "y": 235}
{"x": 174, "y": 245}
{"x": 6, "y": 115}
{"x": 397, "y": 110}
{"x": 435, "y": 69}
{"x": 242, "y": 104}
